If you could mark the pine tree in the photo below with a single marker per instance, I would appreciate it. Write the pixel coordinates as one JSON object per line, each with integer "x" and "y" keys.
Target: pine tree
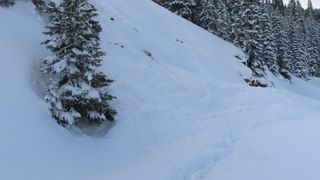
{"x": 310, "y": 9}
{"x": 196, "y": 11}
{"x": 312, "y": 45}
{"x": 40, "y": 5}
{"x": 279, "y": 29}
{"x": 7, "y": 3}
{"x": 297, "y": 41}
{"x": 267, "y": 40}
{"x": 279, "y": 6}
{"x": 235, "y": 10}
{"x": 183, "y": 8}
{"x": 208, "y": 16}
{"x": 251, "y": 29}
{"x": 223, "y": 21}
{"x": 78, "y": 91}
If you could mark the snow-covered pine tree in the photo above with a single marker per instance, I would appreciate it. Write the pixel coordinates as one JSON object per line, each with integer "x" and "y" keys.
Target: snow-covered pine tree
{"x": 278, "y": 5}
{"x": 310, "y": 9}
{"x": 78, "y": 91}
{"x": 312, "y": 43}
{"x": 235, "y": 10}
{"x": 251, "y": 29}
{"x": 208, "y": 17}
{"x": 279, "y": 29}
{"x": 289, "y": 19}
{"x": 40, "y": 5}
{"x": 196, "y": 10}
{"x": 267, "y": 40}
{"x": 223, "y": 21}
{"x": 184, "y": 8}
{"x": 7, "y": 3}
{"x": 297, "y": 49}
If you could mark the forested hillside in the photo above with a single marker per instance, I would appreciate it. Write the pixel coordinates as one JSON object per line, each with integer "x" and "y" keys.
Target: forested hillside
{"x": 278, "y": 38}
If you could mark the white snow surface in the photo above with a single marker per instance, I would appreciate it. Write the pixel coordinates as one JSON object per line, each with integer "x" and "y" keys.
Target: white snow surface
{"x": 184, "y": 112}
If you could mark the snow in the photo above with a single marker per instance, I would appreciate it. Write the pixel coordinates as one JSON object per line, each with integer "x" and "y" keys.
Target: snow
{"x": 304, "y": 3}
{"x": 277, "y": 151}
{"x": 184, "y": 111}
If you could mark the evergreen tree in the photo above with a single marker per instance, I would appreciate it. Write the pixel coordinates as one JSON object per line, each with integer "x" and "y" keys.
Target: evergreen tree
{"x": 267, "y": 40}
{"x": 279, "y": 29}
{"x": 235, "y": 10}
{"x": 297, "y": 43}
{"x": 278, "y": 5}
{"x": 251, "y": 29}
{"x": 40, "y": 5}
{"x": 183, "y": 8}
{"x": 312, "y": 45}
{"x": 208, "y": 16}
{"x": 78, "y": 91}
{"x": 289, "y": 18}
{"x": 223, "y": 21}
{"x": 196, "y": 11}
{"x": 310, "y": 6}
{"x": 7, "y": 3}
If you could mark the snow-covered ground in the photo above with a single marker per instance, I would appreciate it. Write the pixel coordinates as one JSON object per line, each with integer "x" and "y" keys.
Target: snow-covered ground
{"x": 184, "y": 113}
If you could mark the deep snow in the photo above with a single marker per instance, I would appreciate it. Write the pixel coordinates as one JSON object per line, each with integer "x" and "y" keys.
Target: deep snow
{"x": 183, "y": 113}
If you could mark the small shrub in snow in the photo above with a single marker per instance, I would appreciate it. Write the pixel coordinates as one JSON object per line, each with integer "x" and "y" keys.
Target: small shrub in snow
{"x": 147, "y": 53}
{"x": 255, "y": 83}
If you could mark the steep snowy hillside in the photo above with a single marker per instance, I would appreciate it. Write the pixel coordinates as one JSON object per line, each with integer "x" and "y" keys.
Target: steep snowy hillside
{"x": 184, "y": 111}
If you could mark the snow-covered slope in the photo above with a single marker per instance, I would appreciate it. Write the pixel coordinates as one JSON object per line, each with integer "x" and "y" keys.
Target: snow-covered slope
{"x": 184, "y": 111}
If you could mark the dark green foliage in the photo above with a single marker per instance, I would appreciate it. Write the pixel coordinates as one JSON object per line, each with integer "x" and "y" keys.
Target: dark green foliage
{"x": 40, "y": 5}
{"x": 184, "y": 8}
{"x": 251, "y": 30}
{"x": 281, "y": 41}
{"x": 78, "y": 91}
{"x": 7, "y": 3}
